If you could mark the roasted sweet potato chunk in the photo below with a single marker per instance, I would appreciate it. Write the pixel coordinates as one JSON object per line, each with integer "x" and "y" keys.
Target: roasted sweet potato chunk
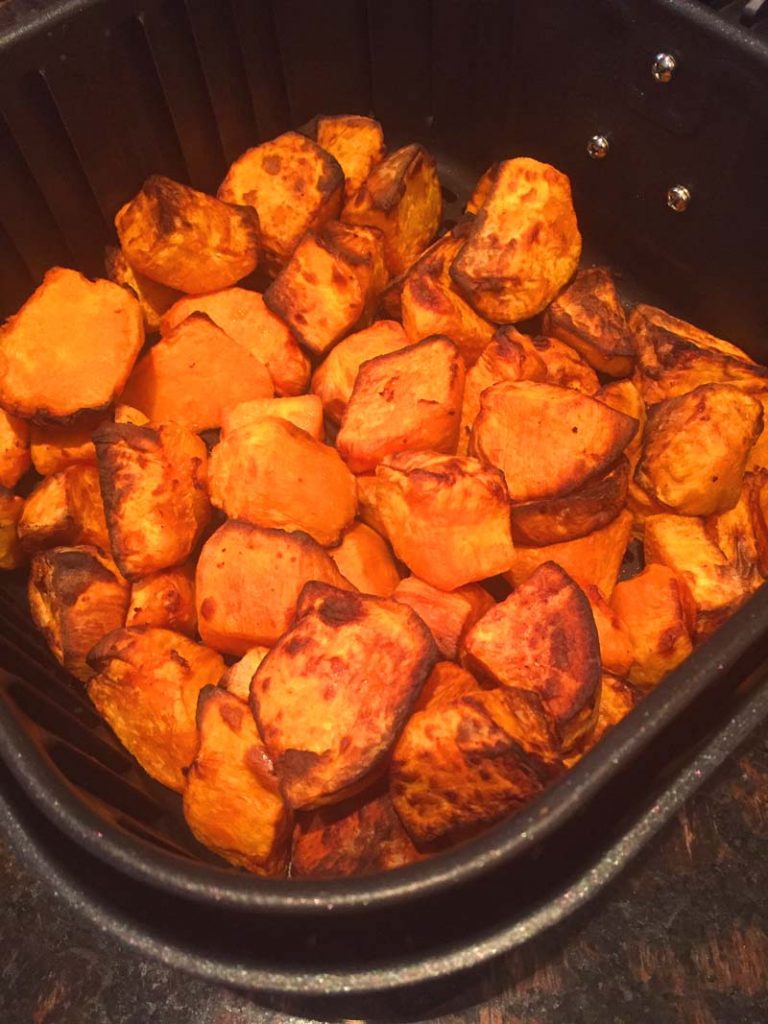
{"x": 330, "y": 284}
{"x": 237, "y": 679}
{"x": 616, "y": 653}
{"x": 448, "y": 615}
{"x": 165, "y": 599}
{"x": 624, "y": 396}
{"x": 232, "y": 800}
{"x": 617, "y": 698}
{"x": 401, "y": 196}
{"x": 483, "y": 189}
{"x": 447, "y": 681}
{"x": 563, "y": 366}
{"x": 356, "y": 142}
{"x": 758, "y": 507}
{"x": 14, "y": 449}
{"x": 335, "y": 378}
{"x": 153, "y": 482}
{"x": 735, "y": 534}
{"x": 333, "y": 694}
{"x": 69, "y": 349}
{"x": 293, "y": 184}
{"x": 55, "y": 448}
{"x": 146, "y": 685}
{"x": 365, "y": 559}
{"x": 407, "y": 400}
{"x": 154, "y": 298}
{"x": 303, "y": 411}
{"x": 271, "y": 473}
{"x": 524, "y": 243}
{"x": 696, "y": 448}
{"x": 758, "y": 456}
{"x": 76, "y": 597}
{"x": 65, "y": 508}
{"x": 589, "y": 317}
{"x": 543, "y": 638}
{"x": 186, "y": 239}
{"x": 11, "y": 509}
{"x": 193, "y": 374}
{"x": 431, "y": 304}
{"x": 547, "y": 440}
{"x": 249, "y": 580}
{"x": 447, "y": 517}
{"x": 245, "y": 317}
{"x": 658, "y": 614}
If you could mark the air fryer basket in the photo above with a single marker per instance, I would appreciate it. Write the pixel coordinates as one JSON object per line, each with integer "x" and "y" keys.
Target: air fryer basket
{"x": 94, "y": 96}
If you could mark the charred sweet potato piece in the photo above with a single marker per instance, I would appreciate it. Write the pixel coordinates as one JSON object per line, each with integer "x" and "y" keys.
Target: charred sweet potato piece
{"x": 334, "y": 692}
{"x": 335, "y": 378}
{"x": 448, "y": 615}
{"x": 76, "y": 597}
{"x": 232, "y": 800}
{"x": 407, "y": 400}
{"x": 14, "y": 449}
{"x": 589, "y": 317}
{"x": 154, "y": 298}
{"x": 524, "y": 243}
{"x": 271, "y": 473}
{"x": 447, "y": 681}
{"x": 616, "y": 653}
{"x": 153, "y": 482}
{"x": 547, "y": 440}
{"x": 165, "y": 599}
{"x": 65, "y": 508}
{"x": 465, "y": 764}
{"x": 293, "y": 184}
{"x": 303, "y": 411}
{"x": 55, "y": 448}
{"x": 193, "y": 374}
{"x": 69, "y": 349}
{"x": 11, "y": 509}
{"x": 359, "y": 836}
{"x": 186, "y": 239}
{"x": 365, "y": 559}
{"x": 658, "y": 614}
{"x": 447, "y": 517}
{"x": 482, "y": 189}
{"x": 543, "y": 638}
{"x": 249, "y": 580}
{"x": 735, "y": 534}
{"x": 245, "y": 317}
{"x": 356, "y": 142}
{"x": 758, "y": 507}
{"x": 595, "y": 558}
{"x": 563, "y": 366}
{"x": 431, "y": 305}
{"x": 617, "y": 698}
{"x": 624, "y": 396}
{"x": 146, "y": 684}
{"x": 696, "y": 448}
{"x": 330, "y": 284}
{"x": 237, "y": 679}
{"x": 401, "y": 196}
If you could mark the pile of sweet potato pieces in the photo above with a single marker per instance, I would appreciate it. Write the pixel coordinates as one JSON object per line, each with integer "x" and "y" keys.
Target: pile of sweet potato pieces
{"x": 376, "y": 606}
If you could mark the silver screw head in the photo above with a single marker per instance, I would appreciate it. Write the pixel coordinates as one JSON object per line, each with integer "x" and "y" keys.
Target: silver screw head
{"x": 598, "y": 147}
{"x": 678, "y": 198}
{"x": 663, "y": 67}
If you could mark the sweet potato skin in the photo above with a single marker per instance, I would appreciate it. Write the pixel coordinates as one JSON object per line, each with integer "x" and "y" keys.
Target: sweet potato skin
{"x": 65, "y": 509}
{"x": 165, "y": 599}
{"x": 14, "y": 449}
{"x": 154, "y": 298}
{"x": 146, "y": 685}
{"x": 11, "y": 509}
{"x": 334, "y": 692}
{"x": 448, "y": 615}
{"x": 303, "y": 411}
{"x": 356, "y": 142}
{"x": 365, "y": 559}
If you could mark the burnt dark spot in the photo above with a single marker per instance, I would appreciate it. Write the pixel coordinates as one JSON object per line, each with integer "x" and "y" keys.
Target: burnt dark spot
{"x": 232, "y": 715}
{"x": 341, "y": 608}
{"x": 559, "y": 649}
{"x": 329, "y": 691}
{"x": 272, "y": 163}
{"x": 296, "y": 644}
{"x": 295, "y": 764}
{"x": 338, "y": 278}
{"x": 344, "y": 743}
{"x": 208, "y": 608}
{"x": 179, "y": 659}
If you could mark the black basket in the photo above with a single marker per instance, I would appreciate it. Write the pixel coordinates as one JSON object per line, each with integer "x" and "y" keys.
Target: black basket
{"x": 94, "y": 96}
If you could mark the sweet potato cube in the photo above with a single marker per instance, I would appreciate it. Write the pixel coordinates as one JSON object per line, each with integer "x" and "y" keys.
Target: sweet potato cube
{"x": 735, "y": 534}
{"x": 330, "y": 284}
{"x": 464, "y": 764}
{"x": 448, "y": 615}
{"x": 524, "y": 243}
{"x": 238, "y": 677}
{"x": 589, "y": 317}
{"x": 154, "y": 298}
{"x": 65, "y": 508}
{"x": 303, "y": 411}
{"x": 407, "y": 400}
{"x": 624, "y": 396}
{"x": 758, "y": 455}
{"x": 186, "y": 239}
{"x": 193, "y": 374}
{"x": 334, "y": 692}
{"x": 293, "y": 184}
{"x": 249, "y": 580}
{"x": 757, "y": 498}
{"x": 616, "y": 654}
{"x": 232, "y": 800}
{"x": 547, "y": 440}
{"x": 76, "y": 597}
{"x": 14, "y": 449}
{"x": 356, "y": 142}
{"x": 365, "y": 559}
{"x": 69, "y": 349}
{"x": 153, "y": 482}
{"x": 696, "y": 448}
{"x": 563, "y": 366}
{"x": 270, "y": 473}
{"x": 11, "y": 509}
{"x": 146, "y": 684}
{"x": 658, "y": 613}
{"x": 617, "y": 698}
{"x": 165, "y": 599}
{"x": 55, "y": 448}
{"x": 447, "y": 681}
{"x": 335, "y": 378}
{"x": 431, "y": 305}
{"x": 359, "y": 836}
{"x": 543, "y": 638}
{"x": 244, "y": 316}
{"x": 482, "y": 189}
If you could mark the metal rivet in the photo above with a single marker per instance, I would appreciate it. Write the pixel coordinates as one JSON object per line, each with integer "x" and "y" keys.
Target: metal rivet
{"x": 663, "y": 67}
{"x": 678, "y": 198}
{"x": 598, "y": 147}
